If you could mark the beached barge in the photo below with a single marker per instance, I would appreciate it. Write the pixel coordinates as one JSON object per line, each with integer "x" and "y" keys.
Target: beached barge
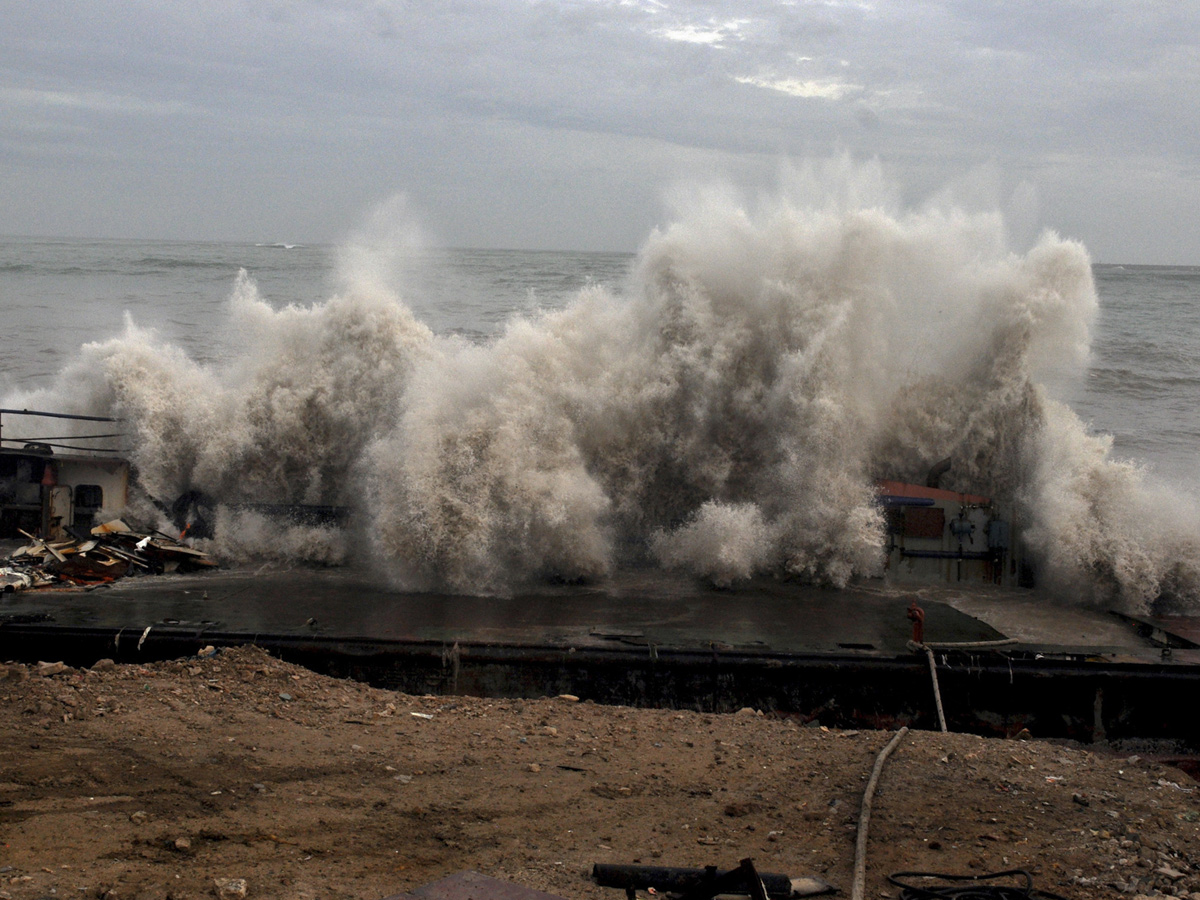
{"x": 829, "y": 658}
{"x": 835, "y": 658}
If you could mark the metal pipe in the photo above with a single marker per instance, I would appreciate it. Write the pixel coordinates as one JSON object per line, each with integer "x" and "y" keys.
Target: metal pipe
{"x": 50, "y": 415}
{"x": 947, "y": 554}
{"x": 64, "y": 446}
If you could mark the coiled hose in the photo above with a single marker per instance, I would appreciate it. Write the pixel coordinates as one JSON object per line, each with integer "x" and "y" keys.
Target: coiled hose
{"x": 970, "y": 887}
{"x": 961, "y": 887}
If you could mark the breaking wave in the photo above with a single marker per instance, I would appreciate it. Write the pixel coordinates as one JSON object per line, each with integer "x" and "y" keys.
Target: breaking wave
{"x": 725, "y": 414}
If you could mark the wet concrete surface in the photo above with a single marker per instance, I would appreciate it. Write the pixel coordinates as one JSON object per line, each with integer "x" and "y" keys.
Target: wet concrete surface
{"x": 634, "y": 608}
{"x": 833, "y": 657}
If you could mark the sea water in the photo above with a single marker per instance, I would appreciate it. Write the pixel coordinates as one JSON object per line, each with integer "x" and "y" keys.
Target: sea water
{"x": 1142, "y": 382}
{"x": 718, "y": 403}
{"x": 58, "y": 294}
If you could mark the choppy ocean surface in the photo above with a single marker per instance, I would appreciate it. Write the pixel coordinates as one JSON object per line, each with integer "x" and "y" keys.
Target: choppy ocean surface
{"x": 1143, "y": 380}
{"x": 724, "y": 397}
{"x": 1141, "y": 383}
{"x": 59, "y": 294}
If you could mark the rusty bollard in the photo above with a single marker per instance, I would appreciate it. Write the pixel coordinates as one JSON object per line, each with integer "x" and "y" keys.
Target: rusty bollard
{"x": 917, "y": 615}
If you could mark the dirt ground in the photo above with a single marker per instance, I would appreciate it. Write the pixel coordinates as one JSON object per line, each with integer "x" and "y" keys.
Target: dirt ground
{"x": 163, "y": 781}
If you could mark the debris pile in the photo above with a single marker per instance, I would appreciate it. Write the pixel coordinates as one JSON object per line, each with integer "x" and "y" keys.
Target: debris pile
{"x": 103, "y": 555}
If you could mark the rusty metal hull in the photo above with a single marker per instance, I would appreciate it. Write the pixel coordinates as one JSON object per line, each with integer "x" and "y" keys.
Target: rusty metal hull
{"x": 836, "y": 658}
{"x": 983, "y": 693}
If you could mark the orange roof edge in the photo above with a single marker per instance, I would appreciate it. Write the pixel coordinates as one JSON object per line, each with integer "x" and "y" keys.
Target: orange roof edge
{"x": 903, "y": 489}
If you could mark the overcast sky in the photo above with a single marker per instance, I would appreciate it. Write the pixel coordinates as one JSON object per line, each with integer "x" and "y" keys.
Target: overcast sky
{"x": 562, "y": 125}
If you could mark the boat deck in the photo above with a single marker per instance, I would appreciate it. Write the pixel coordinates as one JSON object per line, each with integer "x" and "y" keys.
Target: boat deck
{"x": 838, "y": 657}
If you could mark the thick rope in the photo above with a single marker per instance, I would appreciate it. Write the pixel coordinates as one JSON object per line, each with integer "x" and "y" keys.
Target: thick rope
{"x": 937, "y": 692}
{"x": 965, "y": 645}
{"x": 864, "y": 817}
{"x": 968, "y": 645}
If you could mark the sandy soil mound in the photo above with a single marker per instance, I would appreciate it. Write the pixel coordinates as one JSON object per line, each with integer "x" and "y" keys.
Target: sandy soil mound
{"x": 166, "y": 780}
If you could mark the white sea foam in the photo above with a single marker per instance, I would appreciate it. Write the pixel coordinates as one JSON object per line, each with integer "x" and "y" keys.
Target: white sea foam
{"x": 726, "y": 414}
{"x": 723, "y": 542}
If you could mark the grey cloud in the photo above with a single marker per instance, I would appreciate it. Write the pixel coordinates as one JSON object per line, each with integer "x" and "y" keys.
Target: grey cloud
{"x": 359, "y": 99}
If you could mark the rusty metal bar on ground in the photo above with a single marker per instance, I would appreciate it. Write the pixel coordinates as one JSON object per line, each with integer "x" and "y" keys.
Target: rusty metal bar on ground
{"x": 694, "y": 882}
{"x": 744, "y": 878}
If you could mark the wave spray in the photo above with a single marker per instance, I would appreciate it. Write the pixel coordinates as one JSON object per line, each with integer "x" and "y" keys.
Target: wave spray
{"x": 724, "y": 413}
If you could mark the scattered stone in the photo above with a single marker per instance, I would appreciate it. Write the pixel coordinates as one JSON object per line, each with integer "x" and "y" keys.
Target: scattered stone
{"x": 569, "y": 698}
{"x": 739, "y": 809}
{"x": 104, "y": 665}
{"x": 230, "y": 888}
{"x": 1094, "y": 853}
{"x": 285, "y": 697}
{"x": 46, "y": 669}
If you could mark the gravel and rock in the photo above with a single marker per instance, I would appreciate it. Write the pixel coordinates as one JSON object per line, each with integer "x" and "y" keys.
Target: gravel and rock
{"x": 238, "y": 775}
